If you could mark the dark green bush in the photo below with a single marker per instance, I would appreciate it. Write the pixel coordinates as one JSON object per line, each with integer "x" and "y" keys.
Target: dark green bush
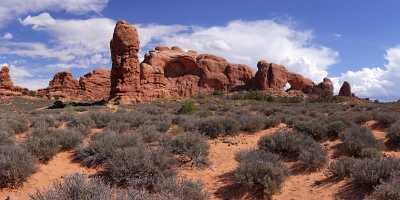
{"x": 261, "y": 171}
{"x": 356, "y": 139}
{"x": 193, "y": 145}
{"x": 138, "y": 166}
{"x": 334, "y": 128}
{"x": 16, "y": 164}
{"x": 389, "y": 190}
{"x": 103, "y": 147}
{"x": 372, "y": 171}
{"x": 76, "y": 187}
{"x": 187, "y": 108}
{"x": 393, "y": 133}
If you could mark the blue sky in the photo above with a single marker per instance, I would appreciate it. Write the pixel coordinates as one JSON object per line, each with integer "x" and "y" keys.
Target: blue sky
{"x": 346, "y": 40}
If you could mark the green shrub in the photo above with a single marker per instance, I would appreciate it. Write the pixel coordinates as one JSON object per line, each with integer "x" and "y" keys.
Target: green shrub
{"x": 389, "y": 190}
{"x": 149, "y": 133}
{"x": 334, "y": 128}
{"x": 356, "y": 139}
{"x": 83, "y": 123}
{"x": 14, "y": 125}
{"x": 44, "y": 122}
{"x": 253, "y": 95}
{"x": 393, "y": 134}
{"x": 138, "y": 166}
{"x": 101, "y": 119}
{"x": 261, "y": 171}
{"x": 6, "y": 138}
{"x": 76, "y": 187}
{"x": 118, "y": 126}
{"x": 16, "y": 164}
{"x": 341, "y": 168}
{"x": 217, "y": 126}
{"x": 193, "y": 145}
{"x": 68, "y": 138}
{"x": 187, "y": 108}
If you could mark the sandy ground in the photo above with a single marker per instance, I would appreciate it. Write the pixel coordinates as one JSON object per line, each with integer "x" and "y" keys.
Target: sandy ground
{"x": 56, "y": 169}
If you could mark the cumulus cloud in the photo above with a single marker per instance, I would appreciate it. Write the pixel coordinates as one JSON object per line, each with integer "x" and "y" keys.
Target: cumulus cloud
{"x": 22, "y": 76}
{"x": 11, "y": 9}
{"x": 8, "y": 36}
{"x": 376, "y": 82}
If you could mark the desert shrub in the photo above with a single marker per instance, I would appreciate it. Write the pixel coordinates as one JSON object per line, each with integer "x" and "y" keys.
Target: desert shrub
{"x": 68, "y": 138}
{"x": 101, "y": 119}
{"x": 334, "y": 128}
{"x": 271, "y": 122}
{"x": 76, "y": 187}
{"x": 192, "y": 145}
{"x": 370, "y": 153}
{"x": 187, "y": 108}
{"x": 188, "y": 123}
{"x": 295, "y": 146}
{"x": 118, "y": 126}
{"x": 313, "y": 128}
{"x": 15, "y": 125}
{"x": 44, "y": 122}
{"x": 372, "y": 171}
{"x": 361, "y": 117}
{"x": 262, "y": 171}
{"x": 341, "y": 168}
{"x": 6, "y": 138}
{"x": 253, "y": 95}
{"x": 169, "y": 188}
{"x": 42, "y": 144}
{"x": 149, "y": 133}
{"x": 16, "y": 164}
{"x": 385, "y": 119}
{"x": 83, "y": 123}
{"x": 138, "y": 166}
{"x": 103, "y": 147}
{"x": 393, "y": 134}
{"x": 356, "y": 139}
{"x": 211, "y": 127}
{"x": 389, "y": 190}
{"x": 252, "y": 123}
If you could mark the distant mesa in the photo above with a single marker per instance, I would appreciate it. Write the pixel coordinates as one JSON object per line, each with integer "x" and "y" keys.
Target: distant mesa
{"x": 172, "y": 72}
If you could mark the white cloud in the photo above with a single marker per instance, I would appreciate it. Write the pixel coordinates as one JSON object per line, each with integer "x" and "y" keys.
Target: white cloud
{"x": 11, "y": 9}
{"x": 378, "y": 82}
{"x": 22, "y": 77}
{"x": 8, "y": 36}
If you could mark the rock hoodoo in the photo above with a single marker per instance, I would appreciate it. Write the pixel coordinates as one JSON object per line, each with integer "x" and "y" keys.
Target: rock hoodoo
{"x": 345, "y": 90}
{"x": 167, "y": 72}
{"x": 96, "y": 85}
{"x": 7, "y": 87}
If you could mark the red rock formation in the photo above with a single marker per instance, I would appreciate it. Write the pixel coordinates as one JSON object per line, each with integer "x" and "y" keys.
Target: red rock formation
{"x": 167, "y": 72}
{"x": 324, "y": 89}
{"x": 63, "y": 86}
{"x": 125, "y": 72}
{"x": 5, "y": 80}
{"x": 345, "y": 90}
{"x": 96, "y": 85}
{"x": 300, "y": 83}
{"x": 7, "y": 87}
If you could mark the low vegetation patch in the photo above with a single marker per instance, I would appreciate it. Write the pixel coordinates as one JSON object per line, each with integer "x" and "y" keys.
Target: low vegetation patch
{"x": 191, "y": 145}
{"x": 359, "y": 142}
{"x": 261, "y": 171}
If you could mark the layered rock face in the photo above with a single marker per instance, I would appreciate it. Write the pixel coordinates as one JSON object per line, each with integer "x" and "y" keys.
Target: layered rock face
{"x": 94, "y": 86}
{"x": 167, "y": 72}
{"x": 345, "y": 90}
{"x": 7, "y": 87}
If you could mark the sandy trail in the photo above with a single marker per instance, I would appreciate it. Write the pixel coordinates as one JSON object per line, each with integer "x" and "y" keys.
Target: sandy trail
{"x": 56, "y": 169}
{"x": 217, "y": 178}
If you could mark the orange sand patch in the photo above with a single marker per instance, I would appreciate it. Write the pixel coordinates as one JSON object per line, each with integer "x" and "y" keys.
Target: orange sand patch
{"x": 56, "y": 169}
